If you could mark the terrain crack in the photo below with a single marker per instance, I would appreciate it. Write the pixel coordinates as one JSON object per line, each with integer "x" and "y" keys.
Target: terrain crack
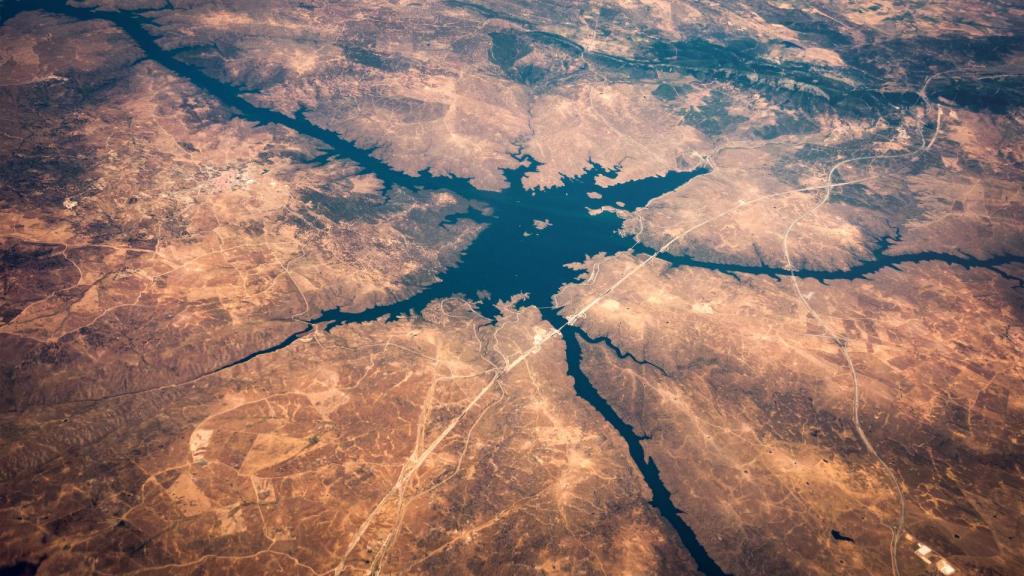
{"x": 618, "y": 351}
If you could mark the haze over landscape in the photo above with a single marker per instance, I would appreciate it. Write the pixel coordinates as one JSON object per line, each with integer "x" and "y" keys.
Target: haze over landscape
{"x": 615, "y": 287}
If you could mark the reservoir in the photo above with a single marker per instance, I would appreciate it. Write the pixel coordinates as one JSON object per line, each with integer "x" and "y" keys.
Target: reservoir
{"x": 513, "y": 254}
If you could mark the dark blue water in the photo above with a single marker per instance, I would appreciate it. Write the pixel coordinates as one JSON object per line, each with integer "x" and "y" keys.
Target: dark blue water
{"x": 19, "y": 569}
{"x": 839, "y": 536}
{"x": 510, "y": 256}
{"x": 661, "y": 498}
{"x": 877, "y": 262}
{"x": 618, "y": 351}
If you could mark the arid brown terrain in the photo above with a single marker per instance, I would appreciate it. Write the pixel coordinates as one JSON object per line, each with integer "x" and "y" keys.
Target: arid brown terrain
{"x": 511, "y": 287}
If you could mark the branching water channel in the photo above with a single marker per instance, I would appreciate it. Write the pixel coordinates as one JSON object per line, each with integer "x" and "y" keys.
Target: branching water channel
{"x": 510, "y": 255}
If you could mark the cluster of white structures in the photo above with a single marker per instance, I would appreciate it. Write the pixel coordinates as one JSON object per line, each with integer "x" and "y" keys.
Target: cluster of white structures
{"x": 929, "y": 557}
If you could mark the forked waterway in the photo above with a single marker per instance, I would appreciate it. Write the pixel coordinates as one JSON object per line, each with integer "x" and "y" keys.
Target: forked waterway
{"x": 510, "y": 255}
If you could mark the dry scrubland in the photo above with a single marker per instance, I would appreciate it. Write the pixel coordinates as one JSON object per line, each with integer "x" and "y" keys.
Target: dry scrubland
{"x": 151, "y": 235}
